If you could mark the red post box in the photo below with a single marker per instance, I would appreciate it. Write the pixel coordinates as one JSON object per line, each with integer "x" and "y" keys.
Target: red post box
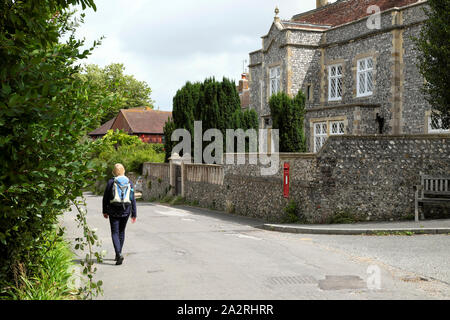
{"x": 286, "y": 179}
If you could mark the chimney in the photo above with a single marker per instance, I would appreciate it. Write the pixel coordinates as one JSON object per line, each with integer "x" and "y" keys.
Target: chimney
{"x": 243, "y": 83}
{"x": 321, "y": 3}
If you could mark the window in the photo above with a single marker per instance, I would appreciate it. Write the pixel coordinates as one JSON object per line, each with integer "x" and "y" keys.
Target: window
{"x": 320, "y": 135}
{"x": 365, "y": 77}
{"x": 309, "y": 93}
{"x": 275, "y": 83}
{"x": 324, "y": 129}
{"x": 335, "y": 84}
{"x": 337, "y": 128}
{"x": 435, "y": 126}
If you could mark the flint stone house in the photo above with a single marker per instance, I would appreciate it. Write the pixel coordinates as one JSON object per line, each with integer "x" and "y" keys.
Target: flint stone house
{"x": 359, "y": 78}
{"x": 143, "y": 122}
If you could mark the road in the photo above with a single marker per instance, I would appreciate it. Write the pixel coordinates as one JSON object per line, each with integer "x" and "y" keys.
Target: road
{"x": 190, "y": 253}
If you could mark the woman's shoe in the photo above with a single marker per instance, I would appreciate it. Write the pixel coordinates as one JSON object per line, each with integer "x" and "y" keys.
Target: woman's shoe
{"x": 119, "y": 260}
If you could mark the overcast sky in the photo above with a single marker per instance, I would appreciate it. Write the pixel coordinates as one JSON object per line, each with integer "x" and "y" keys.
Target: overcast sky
{"x": 167, "y": 43}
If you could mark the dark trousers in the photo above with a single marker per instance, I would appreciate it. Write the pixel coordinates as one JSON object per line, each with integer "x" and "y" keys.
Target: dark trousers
{"x": 118, "y": 226}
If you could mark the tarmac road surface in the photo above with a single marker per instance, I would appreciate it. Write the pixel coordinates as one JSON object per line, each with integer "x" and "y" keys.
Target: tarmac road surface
{"x": 196, "y": 254}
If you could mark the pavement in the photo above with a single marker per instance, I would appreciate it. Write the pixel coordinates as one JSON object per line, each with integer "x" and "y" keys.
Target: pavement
{"x": 189, "y": 253}
{"x": 441, "y": 226}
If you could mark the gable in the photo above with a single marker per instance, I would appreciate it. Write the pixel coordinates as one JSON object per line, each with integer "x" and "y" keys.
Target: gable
{"x": 121, "y": 123}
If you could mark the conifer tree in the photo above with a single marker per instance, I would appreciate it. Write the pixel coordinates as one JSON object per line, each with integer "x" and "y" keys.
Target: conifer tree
{"x": 434, "y": 61}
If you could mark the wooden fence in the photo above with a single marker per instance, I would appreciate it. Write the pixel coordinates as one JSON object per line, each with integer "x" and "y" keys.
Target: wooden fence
{"x": 207, "y": 173}
{"x": 157, "y": 170}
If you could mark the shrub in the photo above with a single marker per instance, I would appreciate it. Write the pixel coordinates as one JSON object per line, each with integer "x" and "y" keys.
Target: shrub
{"x": 292, "y": 214}
{"x": 52, "y": 280}
{"x": 288, "y": 116}
{"x": 343, "y": 216}
{"x": 119, "y": 147}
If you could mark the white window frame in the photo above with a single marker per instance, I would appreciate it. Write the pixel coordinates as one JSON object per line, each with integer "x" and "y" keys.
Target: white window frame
{"x": 275, "y": 80}
{"x": 436, "y": 130}
{"x": 320, "y": 137}
{"x": 334, "y": 79}
{"x": 364, "y": 73}
{"x": 337, "y": 128}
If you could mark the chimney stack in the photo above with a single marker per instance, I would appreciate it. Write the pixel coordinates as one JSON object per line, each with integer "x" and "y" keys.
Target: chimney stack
{"x": 243, "y": 83}
{"x": 321, "y": 3}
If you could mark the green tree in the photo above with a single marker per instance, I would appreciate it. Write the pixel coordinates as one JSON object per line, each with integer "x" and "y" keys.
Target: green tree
{"x": 434, "y": 60}
{"x": 126, "y": 90}
{"x": 287, "y": 116}
{"x": 216, "y": 104}
{"x": 169, "y": 128}
{"x": 45, "y": 110}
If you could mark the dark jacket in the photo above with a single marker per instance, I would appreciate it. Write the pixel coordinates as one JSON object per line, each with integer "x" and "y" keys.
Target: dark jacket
{"x": 118, "y": 211}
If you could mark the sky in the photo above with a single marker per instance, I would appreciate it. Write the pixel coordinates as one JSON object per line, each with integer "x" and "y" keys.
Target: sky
{"x": 167, "y": 43}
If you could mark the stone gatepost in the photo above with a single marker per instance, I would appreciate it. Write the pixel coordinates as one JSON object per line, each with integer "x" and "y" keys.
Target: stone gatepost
{"x": 177, "y": 173}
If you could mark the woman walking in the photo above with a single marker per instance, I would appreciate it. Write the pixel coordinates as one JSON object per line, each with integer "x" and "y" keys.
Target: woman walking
{"x": 118, "y": 204}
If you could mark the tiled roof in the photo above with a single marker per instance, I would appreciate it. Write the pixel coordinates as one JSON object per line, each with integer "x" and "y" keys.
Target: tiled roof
{"x": 103, "y": 129}
{"x": 140, "y": 120}
{"x": 345, "y": 11}
{"x": 146, "y": 121}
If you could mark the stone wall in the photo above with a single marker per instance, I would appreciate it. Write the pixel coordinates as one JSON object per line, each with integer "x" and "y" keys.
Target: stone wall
{"x": 203, "y": 184}
{"x": 156, "y": 183}
{"x": 374, "y": 177}
{"x": 369, "y": 177}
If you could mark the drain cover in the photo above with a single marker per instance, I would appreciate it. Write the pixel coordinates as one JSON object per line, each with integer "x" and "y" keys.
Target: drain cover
{"x": 291, "y": 280}
{"x": 342, "y": 282}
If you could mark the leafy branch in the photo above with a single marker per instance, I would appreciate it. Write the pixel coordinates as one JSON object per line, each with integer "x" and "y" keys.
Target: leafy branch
{"x": 89, "y": 240}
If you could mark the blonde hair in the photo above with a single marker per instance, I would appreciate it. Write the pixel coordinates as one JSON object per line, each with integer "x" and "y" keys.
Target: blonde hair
{"x": 118, "y": 170}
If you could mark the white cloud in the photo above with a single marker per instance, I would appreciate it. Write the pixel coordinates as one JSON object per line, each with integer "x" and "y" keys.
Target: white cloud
{"x": 167, "y": 43}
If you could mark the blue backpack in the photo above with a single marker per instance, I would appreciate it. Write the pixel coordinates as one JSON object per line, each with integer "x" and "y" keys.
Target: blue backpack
{"x": 122, "y": 193}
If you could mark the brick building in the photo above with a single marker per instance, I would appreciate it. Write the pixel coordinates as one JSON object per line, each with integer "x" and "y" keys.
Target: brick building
{"x": 244, "y": 91}
{"x": 143, "y": 122}
{"x": 355, "y": 60}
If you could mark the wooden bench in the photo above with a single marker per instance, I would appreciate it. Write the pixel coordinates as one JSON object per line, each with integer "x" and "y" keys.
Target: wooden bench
{"x": 433, "y": 189}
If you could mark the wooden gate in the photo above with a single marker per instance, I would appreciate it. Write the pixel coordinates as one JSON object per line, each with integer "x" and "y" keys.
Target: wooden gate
{"x": 177, "y": 180}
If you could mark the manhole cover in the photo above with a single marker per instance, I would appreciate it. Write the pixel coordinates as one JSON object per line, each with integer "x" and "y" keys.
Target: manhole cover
{"x": 414, "y": 279}
{"x": 342, "y": 282}
{"x": 291, "y": 280}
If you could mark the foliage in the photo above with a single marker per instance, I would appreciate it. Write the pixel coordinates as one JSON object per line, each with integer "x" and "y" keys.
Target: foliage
{"x": 169, "y": 128}
{"x": 88, "y": 241}
{"x": 292, "y": 214}
{"x": 216, "y": 104}
{"x": 53, "y": 281}
{"x": 434, "y": 59}
{"x": 287, "y": 116}
{"x": 126, "y": 90}
{"x": 45, "y": 111}
{"x": 119, "y": 147}
{"x": 344, "y": 216}
{"x": 117, "y": 138}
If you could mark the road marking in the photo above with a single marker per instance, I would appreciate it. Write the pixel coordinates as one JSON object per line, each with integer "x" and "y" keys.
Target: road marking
{"x": 165, "y": 211}
{"x": 242, "y": 236}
